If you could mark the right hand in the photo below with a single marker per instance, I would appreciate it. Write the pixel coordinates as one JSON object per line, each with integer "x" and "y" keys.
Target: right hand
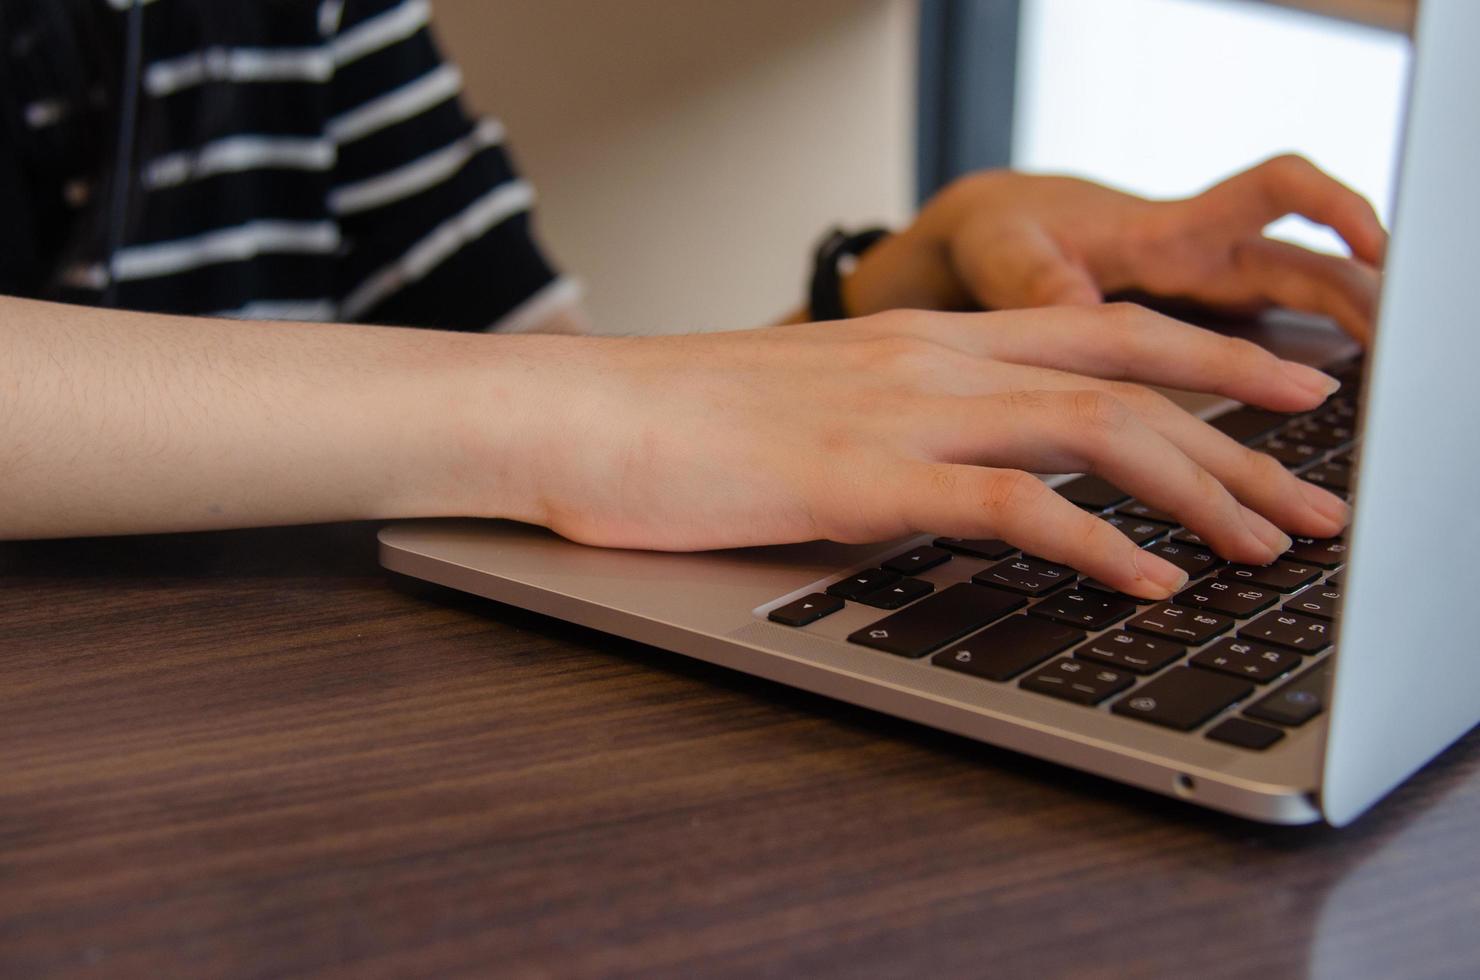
{"x": 905, "y": 422}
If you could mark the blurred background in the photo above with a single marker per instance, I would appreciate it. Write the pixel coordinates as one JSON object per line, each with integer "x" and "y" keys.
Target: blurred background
{"x": 689, "y": 153}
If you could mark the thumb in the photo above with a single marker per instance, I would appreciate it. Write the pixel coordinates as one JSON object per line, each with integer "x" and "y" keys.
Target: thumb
{"x": 1021, "y": 267}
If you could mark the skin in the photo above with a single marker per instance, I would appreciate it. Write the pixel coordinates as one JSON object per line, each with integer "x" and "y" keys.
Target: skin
{"x": 1005, "y": 240}
{"x": 864, "y": 430}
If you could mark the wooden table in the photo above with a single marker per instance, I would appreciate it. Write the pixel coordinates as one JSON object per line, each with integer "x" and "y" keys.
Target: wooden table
{"x": 252, "y": 754}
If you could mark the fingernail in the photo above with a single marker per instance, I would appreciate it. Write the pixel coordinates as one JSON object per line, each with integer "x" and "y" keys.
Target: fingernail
{"x": 1326, "y": 503}
{"x": 1161, "y": 573}
{"x": 1316, "y": 382}
{"x": 1277, "y": 541}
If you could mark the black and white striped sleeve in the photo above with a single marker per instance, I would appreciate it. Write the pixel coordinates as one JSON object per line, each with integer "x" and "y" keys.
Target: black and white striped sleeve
{"x": 435, "y": 220}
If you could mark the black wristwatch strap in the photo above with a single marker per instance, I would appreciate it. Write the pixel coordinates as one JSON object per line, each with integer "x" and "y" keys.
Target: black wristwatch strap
{"x": 834, "y": 259}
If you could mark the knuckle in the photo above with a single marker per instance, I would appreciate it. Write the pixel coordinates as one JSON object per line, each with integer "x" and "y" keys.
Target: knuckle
{"x": 1289, "y": 165}
{"x": 1265, "y": 467}
{"x": 1099, "y": 411}
{"x": 1242, "y": 352}
{"x": 837, "y": 440}
{"x": 1012, "y": 495}
{"x": 1125, "y": 316}
{"x": 1023, "y": 399}
{"x": 891, "y": 322}
{"x": 1137, "y": 397}
{"x": 943, "y": 480}
{"x": 899, "y": 354}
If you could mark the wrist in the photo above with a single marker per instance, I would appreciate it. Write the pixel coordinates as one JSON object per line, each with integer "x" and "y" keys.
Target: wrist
{"x": 909, "y": 270}
{"x": 482, "y": 414}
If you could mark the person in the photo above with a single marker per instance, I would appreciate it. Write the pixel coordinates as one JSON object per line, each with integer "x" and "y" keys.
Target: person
{"x": 310, "y": 160}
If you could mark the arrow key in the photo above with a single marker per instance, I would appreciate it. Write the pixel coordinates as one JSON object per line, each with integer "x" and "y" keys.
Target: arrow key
{"x": 808, "y": 609}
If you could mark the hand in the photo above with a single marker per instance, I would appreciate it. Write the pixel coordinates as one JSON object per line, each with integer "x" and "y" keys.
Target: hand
{"x": 1003, "y": 240}
{"x": 894, "y": 424}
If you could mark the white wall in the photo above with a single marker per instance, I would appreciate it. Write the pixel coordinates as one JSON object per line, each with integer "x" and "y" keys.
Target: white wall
{"x": 1164, "y": 96}
{"x": 689, "y": 152}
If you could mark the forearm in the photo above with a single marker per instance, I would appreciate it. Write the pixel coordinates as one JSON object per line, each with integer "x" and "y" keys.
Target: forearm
{"x": 114, "y": 423}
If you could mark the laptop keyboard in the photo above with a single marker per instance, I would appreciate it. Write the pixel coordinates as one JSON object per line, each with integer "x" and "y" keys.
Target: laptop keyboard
{"x": 1241, "y": 655}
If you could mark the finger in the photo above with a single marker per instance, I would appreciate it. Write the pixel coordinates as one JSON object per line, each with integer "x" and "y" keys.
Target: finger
{"x": 1091, "y": 431}
{"x": 1125, "y": 342}
{"x": 1256, "y": 479}
{"x": 1291, "y": 184}
{"x": 1269, "y": 491}
{"x": 1020, "y": 266}
{"x": 1298, "y": 278}
{"x": 979, "y": 502}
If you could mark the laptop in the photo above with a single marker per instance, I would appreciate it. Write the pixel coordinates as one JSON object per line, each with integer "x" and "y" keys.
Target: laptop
{"x": 1301, "y": 691}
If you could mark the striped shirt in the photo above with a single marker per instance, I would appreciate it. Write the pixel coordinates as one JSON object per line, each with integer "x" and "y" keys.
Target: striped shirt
{"x": 319, "y": 167}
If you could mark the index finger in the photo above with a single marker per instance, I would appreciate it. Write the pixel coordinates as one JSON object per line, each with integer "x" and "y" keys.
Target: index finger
{"x": 1291, "y": 184}
{"x": 1122, "y": 342}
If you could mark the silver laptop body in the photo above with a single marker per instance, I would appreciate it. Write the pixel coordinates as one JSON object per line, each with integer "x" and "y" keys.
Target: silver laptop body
{"x": 1407, "y": 681}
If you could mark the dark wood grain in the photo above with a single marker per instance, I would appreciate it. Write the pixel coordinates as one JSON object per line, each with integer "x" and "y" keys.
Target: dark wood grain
{"x": 253, "y": 754}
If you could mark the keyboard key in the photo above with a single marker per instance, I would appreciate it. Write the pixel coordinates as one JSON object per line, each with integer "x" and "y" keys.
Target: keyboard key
{"x": 1291, "y": 453}
{"x": 901, "y": 593}
{"x": 1229, "y": 598}
{"x": 1192, "y": 559}
{"x": 917, "y": 560}
{"x": 1128, "y": 651}
{"x": 1245, "y": 425}
{"x": 1287, "y": 629}
{"x": 1339, "y": 408}
{"x": 1029, "y": 575}
{"x": 1087, "y": 610}
{"x": 937, "y": 620}
{"x": 1146, "y": 512}
{"x": 1320, "y": 601}
{"x": 808, "y": 609}
{"x": 1193, "y": 627}
{"x": 1298, "y": 701}
{"x": 1183, "y": 698}
{"x": 990, "y": 549}
{"x": 1001, "y": 652}
{"x": 1187, "y": 537}
{"x": 1324, "y": 552}
{"x": 1095, "y": 585}
{"x": 1283, "y": 576}
{"x": 1253, "y": 661}
{"x": 1077, "y": 681}
{"x": 1332, "y": 476}
{"x": 1092, "y": 493}
{"x": 1245, "y": 734}
{"x": 862, "y": 583}
{"x": 1140, "y": 531}
{"x": 1326, "y": 432}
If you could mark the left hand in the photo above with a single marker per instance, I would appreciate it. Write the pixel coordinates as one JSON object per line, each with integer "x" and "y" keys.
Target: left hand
{"x": 1004, "y": 240}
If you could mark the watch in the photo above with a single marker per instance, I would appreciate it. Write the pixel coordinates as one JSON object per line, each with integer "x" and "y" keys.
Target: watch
{"x": 836, "y": 256}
